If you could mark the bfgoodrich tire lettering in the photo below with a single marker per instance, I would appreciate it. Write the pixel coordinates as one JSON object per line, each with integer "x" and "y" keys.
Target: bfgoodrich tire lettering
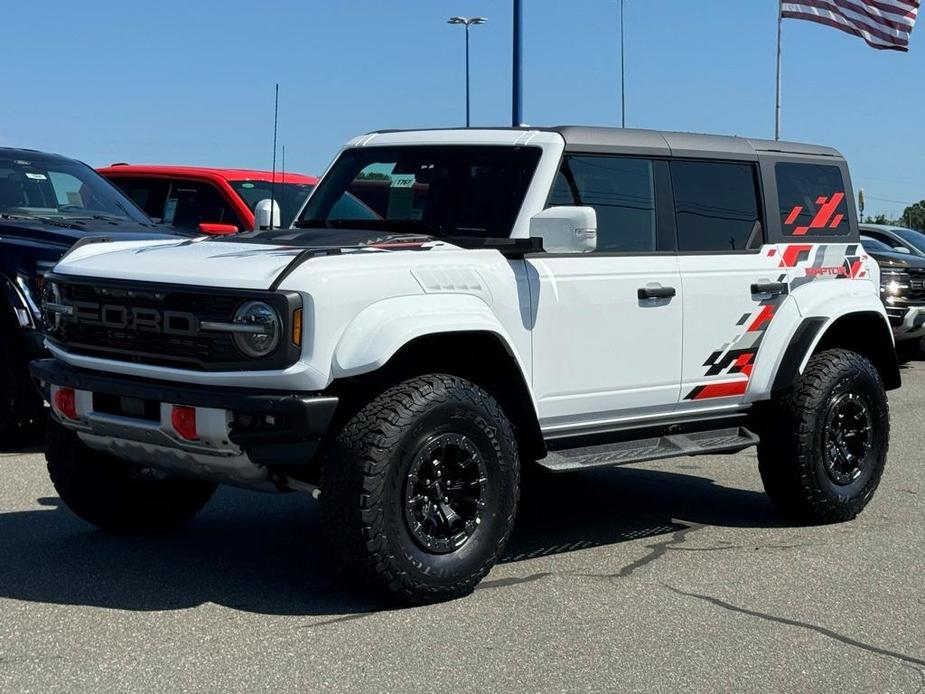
{"x": 370, "y": 474}
{"x": 116, "y": 495}
{"x": 811, "y": 468}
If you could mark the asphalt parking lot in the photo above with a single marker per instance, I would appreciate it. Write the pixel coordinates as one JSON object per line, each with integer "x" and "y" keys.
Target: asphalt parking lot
{"x": 668, "y": 576}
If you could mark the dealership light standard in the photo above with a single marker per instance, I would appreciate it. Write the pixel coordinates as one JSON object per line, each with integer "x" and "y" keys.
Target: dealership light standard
{"x": 467, "y": 22}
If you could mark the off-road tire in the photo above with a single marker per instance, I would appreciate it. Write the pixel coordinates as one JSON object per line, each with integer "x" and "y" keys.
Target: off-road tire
{"x": 116, "y": 495}
{"x": 21, "y": 407}
{"x": 790, "y": 455}
{"x": 363, "y": 492}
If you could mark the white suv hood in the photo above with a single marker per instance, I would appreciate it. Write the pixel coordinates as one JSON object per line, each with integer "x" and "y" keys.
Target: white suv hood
{"x": 201, "y": 263}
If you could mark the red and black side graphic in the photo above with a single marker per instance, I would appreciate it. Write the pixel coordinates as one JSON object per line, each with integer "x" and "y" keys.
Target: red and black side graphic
{"x": 738, "y": 358}
{"x": 718, "y": 390}
{"x": 802, "y": 263}
{"x": 794, "y": 253}
{"x": 827, "y": 216}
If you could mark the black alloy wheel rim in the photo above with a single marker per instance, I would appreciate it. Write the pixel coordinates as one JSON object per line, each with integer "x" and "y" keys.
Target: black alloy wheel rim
{"x": 445, "y": 493}
{"x": 847, "y": 438}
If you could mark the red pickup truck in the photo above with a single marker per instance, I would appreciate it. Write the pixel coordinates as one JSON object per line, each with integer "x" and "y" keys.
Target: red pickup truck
{"x": 214, "y": 201}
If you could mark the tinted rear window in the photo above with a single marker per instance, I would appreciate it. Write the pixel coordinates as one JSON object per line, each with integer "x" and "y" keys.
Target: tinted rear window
{"x": 812, "y": 200}
{"x": 716, "y": 206}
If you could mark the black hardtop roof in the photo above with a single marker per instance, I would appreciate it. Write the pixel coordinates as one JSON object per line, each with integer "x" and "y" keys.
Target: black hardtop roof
{"x": 589, "y": 138}
{"x": 681, "y": 144}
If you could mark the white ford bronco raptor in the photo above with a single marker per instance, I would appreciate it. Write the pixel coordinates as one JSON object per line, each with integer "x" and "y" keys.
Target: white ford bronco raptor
{"x": 453, "y": 306}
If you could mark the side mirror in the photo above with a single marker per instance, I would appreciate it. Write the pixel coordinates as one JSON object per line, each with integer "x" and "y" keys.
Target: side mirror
{"x": 566, "y": 229}
{"x": 217, "y": 229}
{"x": 902, "y": 249}
{"x": 262, "y": 214}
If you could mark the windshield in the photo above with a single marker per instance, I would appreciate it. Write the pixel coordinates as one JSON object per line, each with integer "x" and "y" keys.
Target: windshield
{"x": 875, "y": 246}
{"x": 61, "y": 189}
{"x": 443, "y": 190}
{"x": 289, "y": 196}
{"x": 916, "y": 239}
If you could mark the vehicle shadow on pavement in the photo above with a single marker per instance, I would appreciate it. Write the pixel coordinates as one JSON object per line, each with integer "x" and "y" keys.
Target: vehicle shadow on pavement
{"x": 22, "y": 444}
{"x": 604, "y": 507}
{"x": 262, "y": 554}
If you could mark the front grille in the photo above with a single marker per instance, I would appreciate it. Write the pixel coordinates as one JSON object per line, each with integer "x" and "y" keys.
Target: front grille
{"x": 916, "y": 291}
{"x": 204, "y": 351}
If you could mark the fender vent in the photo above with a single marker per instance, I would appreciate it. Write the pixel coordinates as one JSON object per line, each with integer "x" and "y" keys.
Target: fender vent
{"x": 449, "y": 279}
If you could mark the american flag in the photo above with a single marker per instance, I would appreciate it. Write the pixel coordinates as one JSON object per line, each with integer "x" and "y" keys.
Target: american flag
{"x": 884, "y": 24}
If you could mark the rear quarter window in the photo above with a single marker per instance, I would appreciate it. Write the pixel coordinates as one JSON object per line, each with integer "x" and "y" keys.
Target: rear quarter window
{"x": 812, "y": 200}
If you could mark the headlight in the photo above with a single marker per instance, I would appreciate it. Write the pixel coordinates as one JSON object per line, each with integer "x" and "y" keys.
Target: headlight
{"x": 894, "y": 283}
{"x": 260, "y": 329}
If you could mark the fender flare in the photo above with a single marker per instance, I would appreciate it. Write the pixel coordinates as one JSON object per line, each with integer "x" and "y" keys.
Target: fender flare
{"x": 380, "y": 330}
{"x": 812, "y": 331}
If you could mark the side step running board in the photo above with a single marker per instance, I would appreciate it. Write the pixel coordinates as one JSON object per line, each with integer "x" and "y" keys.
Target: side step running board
{"x": 729, "y": 440}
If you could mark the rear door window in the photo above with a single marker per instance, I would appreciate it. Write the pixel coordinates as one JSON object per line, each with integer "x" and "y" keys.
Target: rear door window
{"x": 716, "y": 206}
{"x": 812, "y": 200}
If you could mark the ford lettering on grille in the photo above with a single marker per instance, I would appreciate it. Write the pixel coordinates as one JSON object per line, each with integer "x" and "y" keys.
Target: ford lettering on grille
{"x": 134, "y": 318}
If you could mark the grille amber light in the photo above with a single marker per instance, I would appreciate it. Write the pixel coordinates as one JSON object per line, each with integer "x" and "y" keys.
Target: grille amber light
{"x": 183, "y": 420}
{"x": 65, "y": 403}
{"x": 297, "y": 327}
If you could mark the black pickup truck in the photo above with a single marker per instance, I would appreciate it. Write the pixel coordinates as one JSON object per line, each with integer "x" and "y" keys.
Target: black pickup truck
{"x": 47, "y": 204}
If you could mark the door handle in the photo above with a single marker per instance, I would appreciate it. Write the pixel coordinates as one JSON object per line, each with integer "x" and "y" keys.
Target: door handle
{"x": 656, "y": 292}
{"x": 772, "y": 288}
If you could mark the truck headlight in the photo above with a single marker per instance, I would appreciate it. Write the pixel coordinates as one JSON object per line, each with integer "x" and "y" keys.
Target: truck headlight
{"x": 260, "y": 329}
{"x": 894, "y": 283}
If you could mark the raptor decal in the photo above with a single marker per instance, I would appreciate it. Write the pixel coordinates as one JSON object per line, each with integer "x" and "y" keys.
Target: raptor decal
{"x": 801, "y": 263}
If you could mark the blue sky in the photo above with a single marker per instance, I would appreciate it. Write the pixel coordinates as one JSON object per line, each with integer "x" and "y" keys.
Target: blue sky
{"x": 192, "y": 82}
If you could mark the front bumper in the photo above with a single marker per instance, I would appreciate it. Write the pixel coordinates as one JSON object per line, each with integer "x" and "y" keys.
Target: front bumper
{"x": 908, "y": 322}
{"x": 241, "y": 433}
{"x": 32, "y": 343}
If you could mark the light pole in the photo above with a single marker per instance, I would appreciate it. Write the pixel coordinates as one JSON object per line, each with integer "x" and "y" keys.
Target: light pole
{"x": 467, "y": 22}
{"x": 622, "y": 71}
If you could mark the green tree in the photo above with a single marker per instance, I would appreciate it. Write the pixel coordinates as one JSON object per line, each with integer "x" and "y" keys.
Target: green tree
{"x": 881, "y": 219}
{"x": 914, "y": 216}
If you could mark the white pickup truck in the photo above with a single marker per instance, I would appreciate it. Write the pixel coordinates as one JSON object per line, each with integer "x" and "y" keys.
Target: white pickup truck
{"x": 452, "y": 306}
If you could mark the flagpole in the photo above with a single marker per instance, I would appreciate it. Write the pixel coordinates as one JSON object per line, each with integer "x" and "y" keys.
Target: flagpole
{"x": 780, "y": 21}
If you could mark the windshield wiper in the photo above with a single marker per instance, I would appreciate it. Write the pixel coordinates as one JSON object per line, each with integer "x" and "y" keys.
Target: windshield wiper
{"x": 383, "y": 225}
{"x": 400, "y": 238}
{"x": 313, "y": 224}
{"x": 40, "y": 218}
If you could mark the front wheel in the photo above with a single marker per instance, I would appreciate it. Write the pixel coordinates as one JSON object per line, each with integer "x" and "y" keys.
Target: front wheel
{"x": 420, "y": 489}
{"x": 824, "y": 444}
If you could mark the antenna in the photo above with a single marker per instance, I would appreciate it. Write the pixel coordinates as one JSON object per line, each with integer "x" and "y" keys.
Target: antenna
{"x": 273, "y": 174}
{"x": 284, "y": 167}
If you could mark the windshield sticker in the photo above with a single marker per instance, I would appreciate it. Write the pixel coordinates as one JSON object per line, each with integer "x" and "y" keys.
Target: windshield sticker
{"x": 36, "y": 176}
{"x": 73, "y": 198}
{"x": 247, "y": 185}
{"x": 403, "y": 180}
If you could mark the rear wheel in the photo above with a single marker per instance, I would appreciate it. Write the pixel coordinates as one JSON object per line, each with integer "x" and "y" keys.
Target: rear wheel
{"x": 420, "y": 489}
{"x": 117, "y": 495}
{"x": 824, "y": 445}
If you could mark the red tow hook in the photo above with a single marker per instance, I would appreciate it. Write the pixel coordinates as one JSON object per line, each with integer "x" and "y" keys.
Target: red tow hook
{"x": 183, "y": 420}
{"x": 64, "y": 402}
